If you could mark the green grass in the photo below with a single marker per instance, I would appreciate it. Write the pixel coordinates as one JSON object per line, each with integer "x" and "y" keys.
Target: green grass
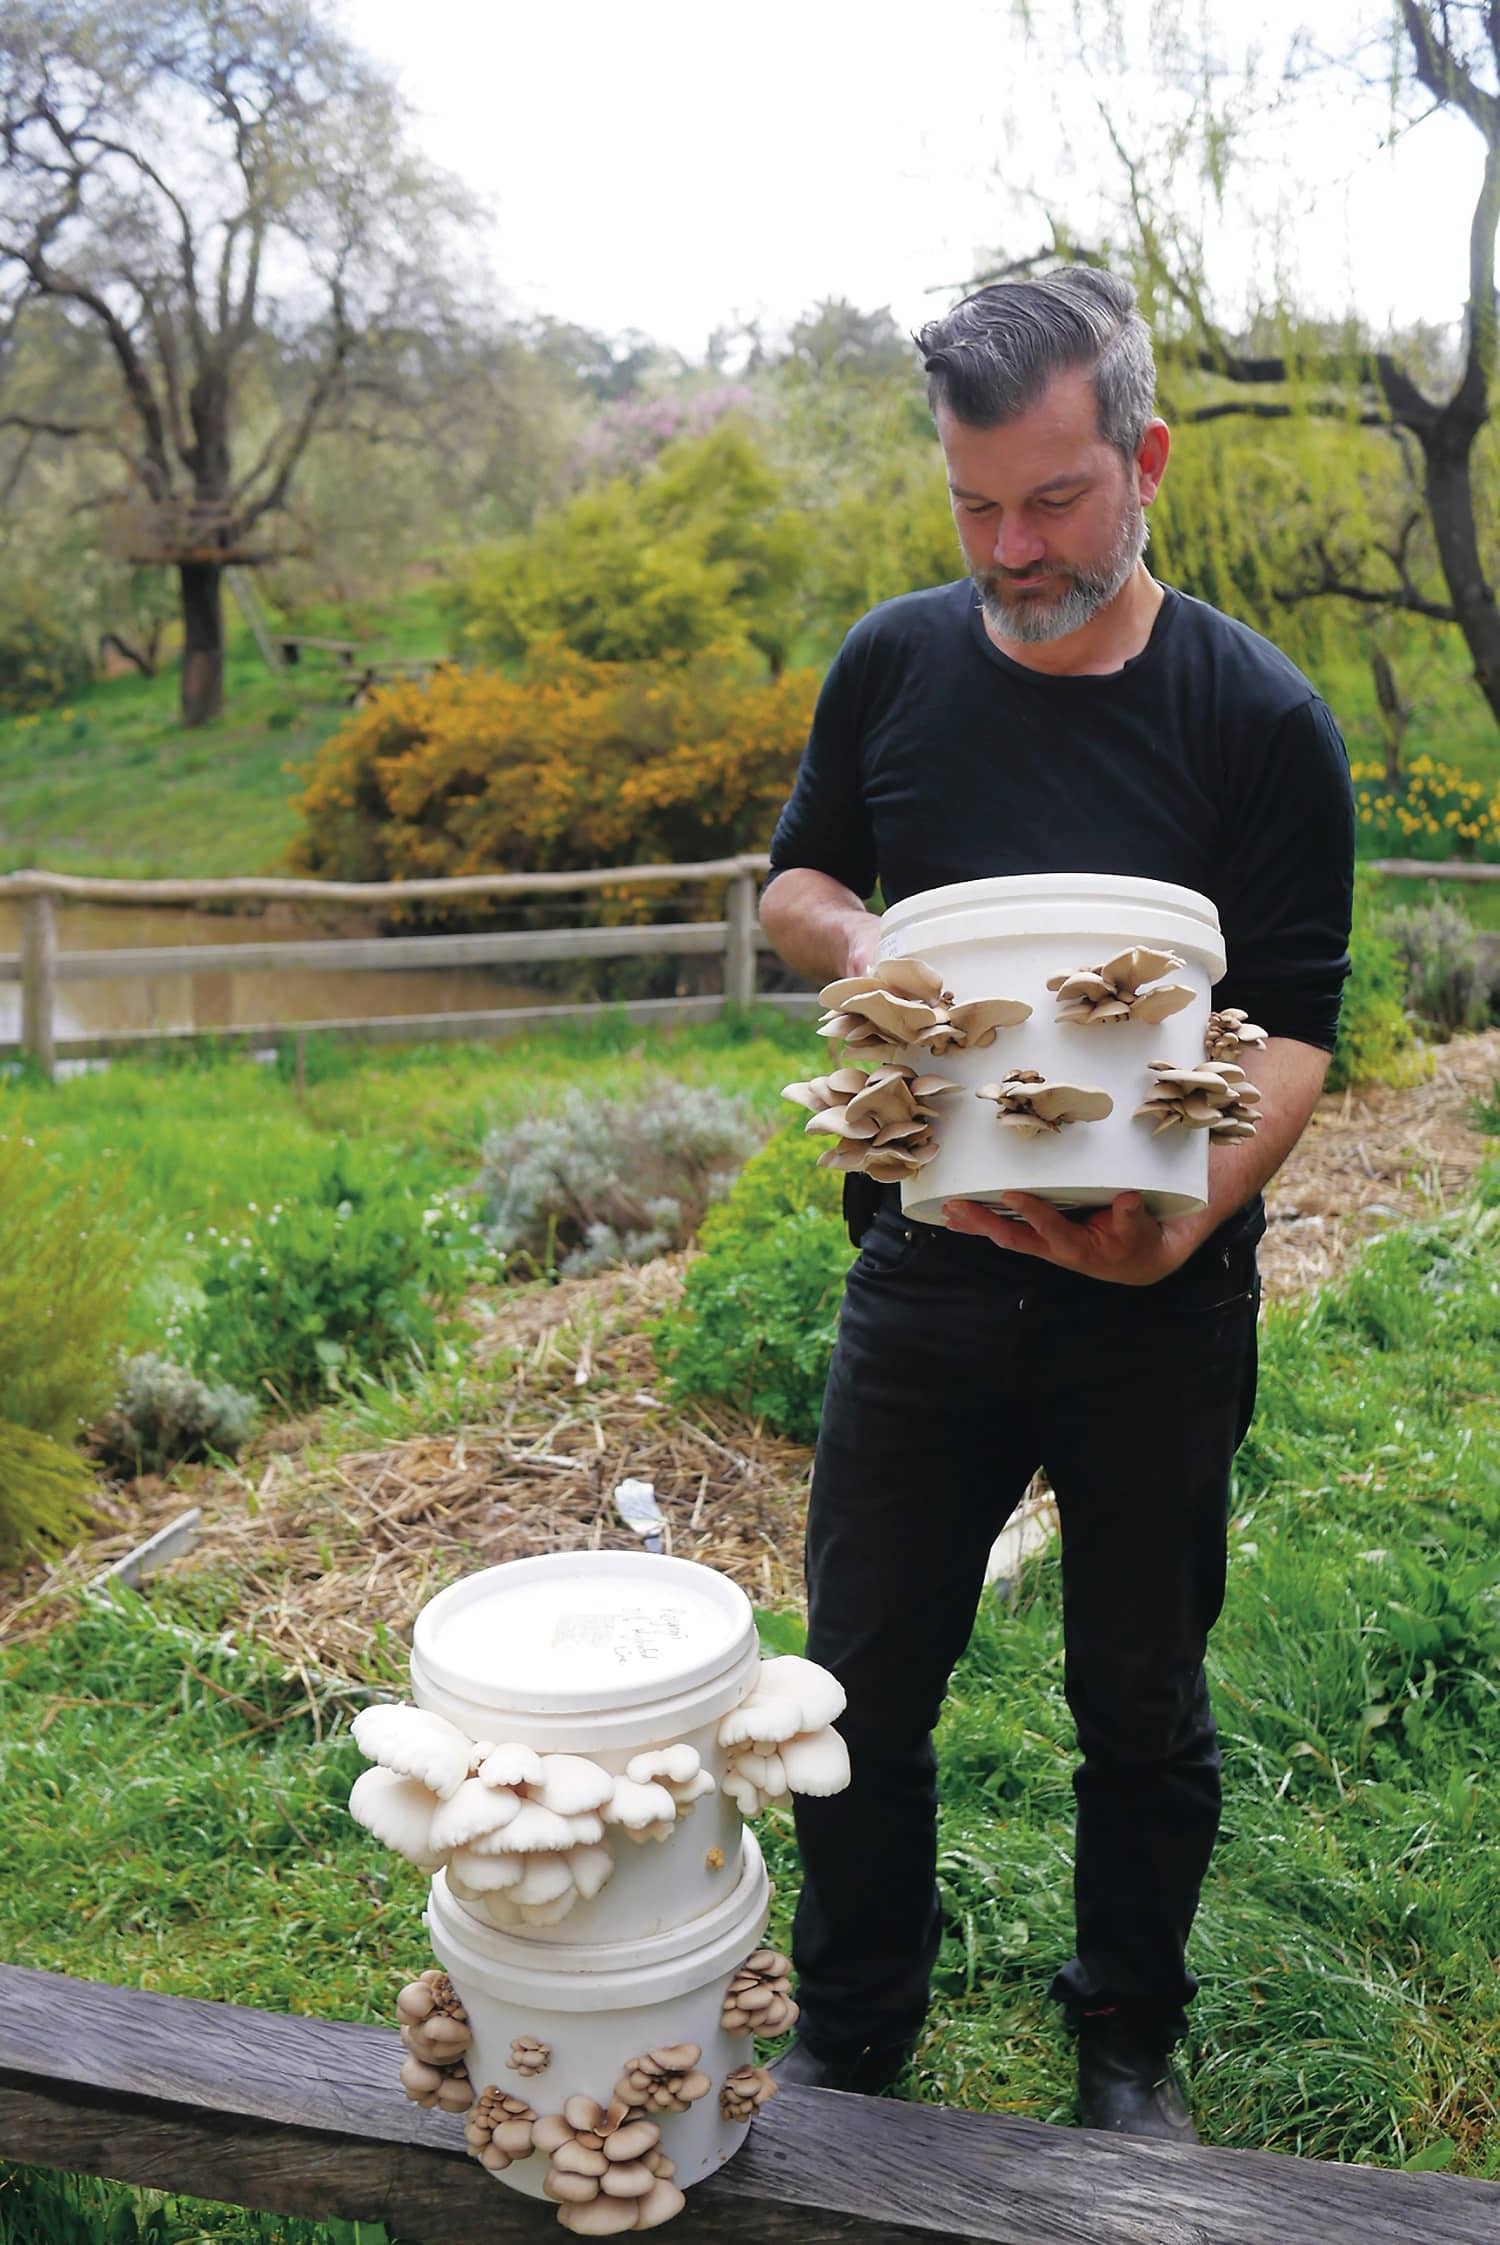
{"x": 112, "y": 784}
{"x": 205, "y": 1135}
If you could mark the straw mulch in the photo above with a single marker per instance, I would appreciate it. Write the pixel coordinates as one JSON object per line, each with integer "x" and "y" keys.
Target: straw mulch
{"x": 316, "y": 1550}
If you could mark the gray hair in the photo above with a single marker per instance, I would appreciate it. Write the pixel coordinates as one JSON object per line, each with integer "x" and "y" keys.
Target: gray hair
{"x": 994, "y": 354}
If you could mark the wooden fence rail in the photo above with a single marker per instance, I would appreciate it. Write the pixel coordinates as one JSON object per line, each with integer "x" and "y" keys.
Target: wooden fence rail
{"x": 41, "y": 967}
{"x": 305, "y": 2116}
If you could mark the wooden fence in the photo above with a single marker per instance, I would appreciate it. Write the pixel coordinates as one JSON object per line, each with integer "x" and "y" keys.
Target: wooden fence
{"x": 304, "y": 2116}
{"x": 40, "y": 966}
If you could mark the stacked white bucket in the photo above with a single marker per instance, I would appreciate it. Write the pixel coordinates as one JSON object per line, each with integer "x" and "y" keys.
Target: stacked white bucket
{"x": 1007, "y": 938}
{"x": 605, "y": 1655}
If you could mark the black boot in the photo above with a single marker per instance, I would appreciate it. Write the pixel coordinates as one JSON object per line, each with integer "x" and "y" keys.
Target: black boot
{"x": 1126, "y": 2083}
{"x": 866, "y": 2072}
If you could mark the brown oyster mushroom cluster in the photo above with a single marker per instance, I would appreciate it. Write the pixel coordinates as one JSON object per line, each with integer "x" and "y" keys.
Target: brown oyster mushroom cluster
{"x": 1227, "y": 1034}
{"x": 528, "y": 2056}
{"x": 1133, "y": 986}
{"x": 498, "y": 2129}
{"x": 1215, "y": 1096}
{"x": 664, "y": 2080}
{"x": 881, "y": 1124}
{"x": 435, "y": 2034}
{"x": 606, "y": 2171}
{"x": 745, "y": 2089}
{"x": 902, "y": 1002}
{"x": 758, "y": 2000}
{"x": 780, "y": 1739}
{"x": 1030, "y": 1104}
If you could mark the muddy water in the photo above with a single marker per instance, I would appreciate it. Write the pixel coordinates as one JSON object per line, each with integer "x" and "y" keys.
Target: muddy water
{"x": 231, "y": 999}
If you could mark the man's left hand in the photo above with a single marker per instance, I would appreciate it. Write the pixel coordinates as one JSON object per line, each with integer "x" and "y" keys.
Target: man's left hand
{"x": 1121, "y": 1243}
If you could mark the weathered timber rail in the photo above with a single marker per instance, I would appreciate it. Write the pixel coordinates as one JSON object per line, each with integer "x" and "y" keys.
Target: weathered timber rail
{"x": 40, "y": 966}
{"x": 305, "y": 2116}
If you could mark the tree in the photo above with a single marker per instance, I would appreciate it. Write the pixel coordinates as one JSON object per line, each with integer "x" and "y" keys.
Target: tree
{"x": 1409, "y": 536}
{"x": 223, "y": 192}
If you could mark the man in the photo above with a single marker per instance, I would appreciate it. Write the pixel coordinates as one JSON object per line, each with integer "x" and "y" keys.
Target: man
{"x": 1057, "y": 711}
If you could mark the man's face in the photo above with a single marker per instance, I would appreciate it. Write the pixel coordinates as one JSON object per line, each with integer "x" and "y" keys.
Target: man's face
{"x": 1050, "y": 517}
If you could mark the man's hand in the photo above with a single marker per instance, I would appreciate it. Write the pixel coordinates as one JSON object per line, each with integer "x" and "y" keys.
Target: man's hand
{"x": 1121, "y": 1242}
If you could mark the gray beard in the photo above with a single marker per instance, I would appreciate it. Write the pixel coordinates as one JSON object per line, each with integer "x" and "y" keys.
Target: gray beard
{"x": 1030, "y": 621}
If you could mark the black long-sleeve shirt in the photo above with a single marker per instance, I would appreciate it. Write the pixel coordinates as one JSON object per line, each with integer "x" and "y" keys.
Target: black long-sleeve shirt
{"x": 1208, "y": 760}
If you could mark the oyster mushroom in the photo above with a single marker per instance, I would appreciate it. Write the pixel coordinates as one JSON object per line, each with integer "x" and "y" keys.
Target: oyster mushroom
{"x": 399, "y": 1811}
{"x": 642, "y": 1811}
{"x": 977, "y": 1021}
{"x": 1029, "y": 1104}
{"x": 528, "y": 2056}
{"x": 677, "y": 1769}
{"x": 1133, "y": 986}
{"x": 758, "y": 2001}
{"x": 415, "y": 1744}
{"x": 434, "y": 2024}
{"x": 1226, "y": 1035}
{"x": 447, "y": 2087}
{"x": 664, "y": 2080}
{"x": 778, "y": 1740}
{"x": 1214, "y": 1095}
{"x": 883, "y": 1125}
{"x": 606, "y": 2170}
{"x": 542, "y": 1889}
{"x": 498, "y": 2130}
{"x": 744, "y": 2090}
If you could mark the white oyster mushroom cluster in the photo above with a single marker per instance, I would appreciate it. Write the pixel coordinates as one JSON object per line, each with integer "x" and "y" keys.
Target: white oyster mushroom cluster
{"x": 1215, "y": 1096}
{"x": 1031, "y": 1104}
{"x": 780, "y": 1739}
{"x": 902, "y": 1003}
{"x": 1226, "y": 1035}
{"x": 1135, "y": 985}
{"x": 657, "y": 1787}
{"x": 881, "y": 1124}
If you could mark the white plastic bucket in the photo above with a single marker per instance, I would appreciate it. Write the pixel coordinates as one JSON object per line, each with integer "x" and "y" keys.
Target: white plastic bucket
{"x": 603, "y": 1653}
{"x": 598, "y": 2005}
{"x": 1005, "y": 938}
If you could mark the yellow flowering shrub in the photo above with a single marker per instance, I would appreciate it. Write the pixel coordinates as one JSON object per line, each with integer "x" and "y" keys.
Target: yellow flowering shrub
{"x": 572, "y": 764}
{"x": 1438, "y": 812}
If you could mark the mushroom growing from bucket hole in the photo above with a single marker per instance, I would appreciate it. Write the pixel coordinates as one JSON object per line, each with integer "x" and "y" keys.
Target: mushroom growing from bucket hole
{"x": 1133, "y": 986}
{"x": 415, "y": 1744}
{"x": 606, "y": 2170}
{"x": 664, "y": 2080}
{"x": 498, "y": 2129}
{"x": 434, "y": 2024}
{"x": 1215, "y": 1096}
{"x": 1226, "y": 1035}
{"x": 881, "y": 1123}
{"x": 745, "y": 2089}
{"x": 541, "y": 1891}
{"x": 902, "y": 1003}
{"x": 528, "y": 2056}
{"x": 1030, "y": 1105}
{"x": 758, "y": 2001}
{"x": 779, "y": 1739}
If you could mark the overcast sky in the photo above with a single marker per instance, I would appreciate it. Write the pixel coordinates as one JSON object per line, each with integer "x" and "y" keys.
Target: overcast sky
{"x": 674, "y": 165}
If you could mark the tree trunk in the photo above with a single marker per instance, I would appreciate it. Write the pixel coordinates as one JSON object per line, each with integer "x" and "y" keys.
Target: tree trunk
{"x": 1448, "y": 454}
{"x": 203, "y": 642}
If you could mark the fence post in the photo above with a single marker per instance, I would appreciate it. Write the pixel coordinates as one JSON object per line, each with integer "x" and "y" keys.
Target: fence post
{"x": 739, "y": 941}
{"x": 39, "y": 981}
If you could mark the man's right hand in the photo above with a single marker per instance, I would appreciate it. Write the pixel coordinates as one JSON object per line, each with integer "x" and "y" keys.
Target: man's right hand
{"x": 820, "y": 928}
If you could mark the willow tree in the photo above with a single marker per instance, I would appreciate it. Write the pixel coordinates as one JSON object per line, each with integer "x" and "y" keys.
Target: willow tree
{"x": 224, "y": 192}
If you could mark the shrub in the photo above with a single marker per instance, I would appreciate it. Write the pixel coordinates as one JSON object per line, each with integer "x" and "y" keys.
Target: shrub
{"x": 1375, "y": 1041}
{"x": 602, "y": 1182}
{"x": 573, "y": 764}
{"x": 1446, "y": 983}
{"x": 352, "y": 1277}
{"x": 42, "y": 659}
{"x": 1437, "y": 811}
{"x": 759, "y": 1308}
{"x": 165, "y": 1416}
{"x": 66, "y": 1281}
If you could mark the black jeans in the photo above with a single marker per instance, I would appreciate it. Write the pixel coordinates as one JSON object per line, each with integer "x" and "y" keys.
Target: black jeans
{"x": 959, "y": 1369}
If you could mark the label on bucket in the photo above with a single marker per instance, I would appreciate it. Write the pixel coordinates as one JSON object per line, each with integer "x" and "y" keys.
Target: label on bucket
{"x": 597, "y": 1628}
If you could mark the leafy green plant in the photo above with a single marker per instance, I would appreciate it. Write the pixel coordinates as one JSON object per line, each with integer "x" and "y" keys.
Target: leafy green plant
{"x": 42, "y": 659}
{"x": 352, "y": 1276}
{"x": 164, "y": 1415}
{"x": 1375, "y": 1041}
{"x": 606, "y": 1181}
{"x": 66, "y": 1281}
{"x": 1447, "y": 984}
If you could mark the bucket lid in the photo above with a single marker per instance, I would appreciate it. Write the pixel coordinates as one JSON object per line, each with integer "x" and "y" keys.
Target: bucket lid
{"x": 1056, "y": 888}
{"x": 574, "y": 1632}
